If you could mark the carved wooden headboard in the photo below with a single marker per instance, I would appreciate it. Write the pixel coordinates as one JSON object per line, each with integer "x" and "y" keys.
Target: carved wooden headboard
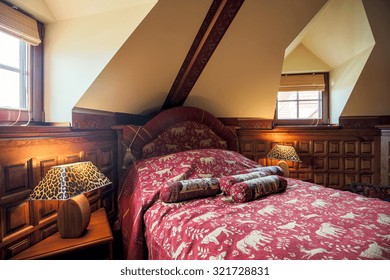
{"x": 137, "y": 137}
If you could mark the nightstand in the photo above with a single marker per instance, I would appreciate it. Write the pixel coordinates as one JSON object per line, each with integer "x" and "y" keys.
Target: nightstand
{"x": 97, "y": 236}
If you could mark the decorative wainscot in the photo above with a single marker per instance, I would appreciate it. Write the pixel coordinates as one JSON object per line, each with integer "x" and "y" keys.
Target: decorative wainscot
{"x": 329, "y": 156}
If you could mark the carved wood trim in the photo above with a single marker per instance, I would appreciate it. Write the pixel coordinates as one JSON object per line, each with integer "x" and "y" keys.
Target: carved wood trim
{"x": 252, "y": 123}
{"x": 217, "y": 21}
{"x": 91, "y": 119}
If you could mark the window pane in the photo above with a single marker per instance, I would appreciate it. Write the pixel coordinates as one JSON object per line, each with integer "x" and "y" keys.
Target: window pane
{"x": 287, "y": 95}
{"x": 9, "y": 89}
{"x": 309, "y": 110}
{"x": 9, "y": 50}
{"x": 287, "y": 110}
{"x": 309, "y": 95}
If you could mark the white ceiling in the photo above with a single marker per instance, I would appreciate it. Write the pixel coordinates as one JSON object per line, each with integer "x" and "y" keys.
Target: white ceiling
{"x": 49, "y": 11}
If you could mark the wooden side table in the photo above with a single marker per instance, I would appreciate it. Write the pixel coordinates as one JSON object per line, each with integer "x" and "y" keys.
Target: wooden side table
{"x": 98, "y": 234}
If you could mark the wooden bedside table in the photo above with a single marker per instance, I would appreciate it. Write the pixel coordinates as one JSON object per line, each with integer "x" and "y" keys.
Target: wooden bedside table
{"x": 98, "y": 234}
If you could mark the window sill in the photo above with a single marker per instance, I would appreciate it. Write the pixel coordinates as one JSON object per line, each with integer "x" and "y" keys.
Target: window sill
{"x": 37, "y": 129}
{"x": 308, "y": 127}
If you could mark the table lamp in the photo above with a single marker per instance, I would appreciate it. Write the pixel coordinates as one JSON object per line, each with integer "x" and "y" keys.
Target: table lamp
{"x": 68, "y": 182}
{"x": 284, "y": 153}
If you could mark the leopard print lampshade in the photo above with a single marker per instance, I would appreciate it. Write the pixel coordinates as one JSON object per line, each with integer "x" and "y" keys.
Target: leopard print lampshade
{"x": 65, "y": 181}
{"x": 283, "y": 152}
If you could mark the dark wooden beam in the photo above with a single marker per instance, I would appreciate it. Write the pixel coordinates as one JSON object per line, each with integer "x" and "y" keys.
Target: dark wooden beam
{"x": 217, "y": 21}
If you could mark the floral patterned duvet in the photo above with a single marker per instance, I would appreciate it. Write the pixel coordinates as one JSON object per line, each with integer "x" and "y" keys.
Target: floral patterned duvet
{"x": 306, "y": 221}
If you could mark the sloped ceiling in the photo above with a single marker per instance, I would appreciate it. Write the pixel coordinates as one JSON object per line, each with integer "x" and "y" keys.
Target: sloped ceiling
{"x": 49, "y": 11}
{"x": 244, "y": 70}
{"x": 138, "y": 78}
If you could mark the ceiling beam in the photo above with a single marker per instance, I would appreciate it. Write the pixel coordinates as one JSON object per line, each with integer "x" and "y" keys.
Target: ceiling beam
{"x": 217, "y": 21}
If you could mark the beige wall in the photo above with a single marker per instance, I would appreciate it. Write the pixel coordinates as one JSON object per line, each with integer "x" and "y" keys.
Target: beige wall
{"x": 302, "y": 60}
{"x": 76, "y": 50}
{"x": 370, "y": 96}
{"x": 342, "y": 82}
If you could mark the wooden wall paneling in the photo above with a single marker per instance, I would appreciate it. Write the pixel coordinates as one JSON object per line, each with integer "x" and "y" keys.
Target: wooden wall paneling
{"x": 320, "y": 164}
{"x": 320, "y": 179}
{"x": 350, "y": 178}
{"x": 384, "y": 154}
{"x": 335, "y": 164}
{"x": 351, "y": 148}
{"x": 304, "y": 148}
{"x": 246, "y": 147}
{"x": 17, "y": 247}
{"x": 331, "y": 157}
{"x": 73, "y": 158}
{"x": 336, "y": 180}
{"x": 106, "y": 157}
{"x": 367, "y": 148}
{"x": 351, "y": 164}
{"x": 334, "y": 148}
{"x": 386, "y": 169}
{"x": 16, "y": 180}
{"x": 91, "y": 156}
{"x": 17, "y": 216}
{"x": 367, "y": 165}
{"x": 366, "y": 179}
{"x": 107, "y": 200}
{"x": 319, "y": 148}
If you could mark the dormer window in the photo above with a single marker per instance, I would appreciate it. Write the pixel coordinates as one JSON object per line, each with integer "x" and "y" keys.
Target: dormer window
{"x": 303, "y": 99}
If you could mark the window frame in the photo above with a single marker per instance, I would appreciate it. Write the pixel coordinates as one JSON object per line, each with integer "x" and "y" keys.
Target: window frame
{"x": 325, "y": 108}
{"x": 34, "y": 109}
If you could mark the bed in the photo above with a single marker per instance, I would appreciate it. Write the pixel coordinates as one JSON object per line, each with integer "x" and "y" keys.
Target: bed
{"x": 188, "y": 194}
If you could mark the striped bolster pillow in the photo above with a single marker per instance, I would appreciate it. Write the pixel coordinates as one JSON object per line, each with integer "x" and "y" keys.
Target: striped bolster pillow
{"x": 270, "y": 170}
{"x": 256, "y": 188}
{"x": 228, "y": 181}
{"x": 248, "y": 174}
{"x": 189, "y": 189}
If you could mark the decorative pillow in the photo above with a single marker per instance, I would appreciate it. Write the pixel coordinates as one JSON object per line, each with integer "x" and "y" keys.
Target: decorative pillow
{"x": 189, "y": 189}
{"x": 228, "y": 181}
{"x": 270, "y": 170}
{"x": 259, "y": 187}
{"x": 183, "y": 136}
{"x": 248, "y": 174}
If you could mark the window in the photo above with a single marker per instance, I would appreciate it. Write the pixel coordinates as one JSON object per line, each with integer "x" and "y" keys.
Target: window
{"x": 303, "y": 99}
{"x": 13, "y": 72}
{"x": 21, "y": 65}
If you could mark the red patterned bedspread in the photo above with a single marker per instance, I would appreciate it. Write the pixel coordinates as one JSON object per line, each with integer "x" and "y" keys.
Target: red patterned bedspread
{"x": 306, "y": 221}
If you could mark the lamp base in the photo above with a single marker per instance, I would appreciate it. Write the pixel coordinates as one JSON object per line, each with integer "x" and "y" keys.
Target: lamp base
{"x": 285, "y": 168}
{"x": 73, "y": 216}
